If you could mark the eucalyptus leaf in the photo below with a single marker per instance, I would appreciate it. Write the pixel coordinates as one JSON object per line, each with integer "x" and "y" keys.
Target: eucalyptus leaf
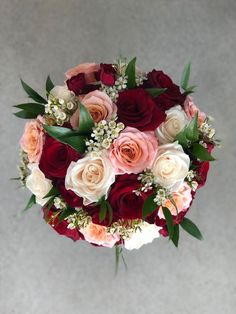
{"x": 131, "y": 73}
{"x": 169, "y": 221}
{"x": 201, "y": 153}
{"x": 191, "y": 228}
{"x": 149, "y": 206}
{"x": 30, "y": 203}
{"x": 155, "y": 92}
{"x": 32, "y": 107}
{"x": 49, "y": 84}
{"x": 32, "y": 93}
{"x": 186, "y": 76}
{"x": 67, "y": 136}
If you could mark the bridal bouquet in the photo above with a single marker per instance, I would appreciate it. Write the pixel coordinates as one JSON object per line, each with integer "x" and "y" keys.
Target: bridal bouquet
{"x": 115, "y": 155}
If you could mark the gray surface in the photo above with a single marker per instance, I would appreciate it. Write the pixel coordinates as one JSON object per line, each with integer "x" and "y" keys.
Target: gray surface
{"x": 41, "y": 272}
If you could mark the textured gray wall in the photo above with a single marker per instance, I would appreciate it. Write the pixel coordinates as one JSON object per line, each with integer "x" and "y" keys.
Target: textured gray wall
{"x": 41, "y": 272}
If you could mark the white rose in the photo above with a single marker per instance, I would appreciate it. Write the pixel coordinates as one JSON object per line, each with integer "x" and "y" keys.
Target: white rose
{"x": 176, "y": 119}
{"x": 170, "y": 166}
{"x": 62, "y": 92}
{"x": 90, "y": 177}
{"x": 38, "y": 184}
{"x": 147, "y": 234}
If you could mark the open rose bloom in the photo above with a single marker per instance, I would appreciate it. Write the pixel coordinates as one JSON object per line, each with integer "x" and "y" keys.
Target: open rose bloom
{"x": 115, "y": 155}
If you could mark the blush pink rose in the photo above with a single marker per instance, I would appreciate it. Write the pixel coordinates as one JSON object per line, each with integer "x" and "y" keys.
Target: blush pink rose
{"x": 32, "y": 140}
{"x": 191, "y": 109}
{"x": 99, "y": 105}
{"x": 98, "y": 234}
{"x": 133, "y": 151}
{"x": 88, "y": 69}
{"x": 182, "y": 198}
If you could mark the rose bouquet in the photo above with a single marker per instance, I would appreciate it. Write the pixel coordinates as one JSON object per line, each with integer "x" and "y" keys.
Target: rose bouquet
{"x": 115, "y": 155}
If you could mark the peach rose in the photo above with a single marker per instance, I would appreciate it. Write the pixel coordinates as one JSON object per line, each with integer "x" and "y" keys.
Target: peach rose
{"x": 133, "y": 151}
{"x": 98, "y": 234}
{"x": 87, "y": 68}
{"x": 182, "y": 198}
{"x": 32, "y": 140}
{"x": 191, "y": 109}
{"x": 99, "y": 105}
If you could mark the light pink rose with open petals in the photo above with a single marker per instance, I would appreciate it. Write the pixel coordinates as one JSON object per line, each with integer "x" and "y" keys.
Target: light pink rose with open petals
{"x": 133, "y": 151}
{"x": 191, "y": 109}
{"x": 99, "y": 105}
{"x": 182, "y": 199}
{"x": 98, "y": 234}
{"x": 32, "y": 139}
{"x": 87, "y": 68}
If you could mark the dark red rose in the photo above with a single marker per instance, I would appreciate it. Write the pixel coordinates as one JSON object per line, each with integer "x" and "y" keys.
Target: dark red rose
{"x": 61, "y": 227}
{"x": 159, "y": 79}
{"x": 69, "y": 196}
{"x": 56, "y": 158}
{"x": 164, "y": 102}
{"x": 137, "y": 109}
{"x": 124, "y": 202}
{"x": 78, "y": 85}
{"x": 107, "y": 74}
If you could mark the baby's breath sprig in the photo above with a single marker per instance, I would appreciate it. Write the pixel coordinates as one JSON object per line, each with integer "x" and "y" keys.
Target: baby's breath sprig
{"x": 140, "y": 77}
{"x": 207, "y": 132}
{"x": 59, "y": 203}
{"x": 162, "y": 195}
{"x": 104, "y": 134}
{"x": 58, "y": 110}
{"x": 125, "y": 228}
{"x": 23, "y": 167}
{"x": 113, "y": 91}
{"x": 191, "y": 179}
{"x": 78, "y": 220}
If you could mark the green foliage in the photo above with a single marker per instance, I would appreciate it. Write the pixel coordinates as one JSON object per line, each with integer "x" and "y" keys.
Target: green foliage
{"x": 86, "y": 122}
{"x": 191, "y": 228}
{"x": 32, "y": 93}
{"x": 155, "y": 92}
{"x": 189, "y": 134}
{"x": 29, "y": 110}
{"x": 65, "y": 213}
{"x": 53, "y": 192}
{"x": 201, "y": 153}
{"x": 175, "y": 237}
{"x": 185, "y": 76}
{"x": 30, "y": 203}
{"x": 149, "y": 206}
{"x": 49, "y": 84}
{"x": 131, "y": 73}
{"x": 105, "y": 208}
{"x": 169, "y": 221}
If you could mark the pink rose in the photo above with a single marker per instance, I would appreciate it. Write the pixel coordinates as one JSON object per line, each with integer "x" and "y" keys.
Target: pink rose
{"x": 99, "y": 105}
{"x": 182, "y": 198}
{"x": 191, "y": 109}
{"x": 133, "y": 151}
{"x": 98, "y": 234}
{"x": 33, "y": 138}
{"x": 88, "y": 69}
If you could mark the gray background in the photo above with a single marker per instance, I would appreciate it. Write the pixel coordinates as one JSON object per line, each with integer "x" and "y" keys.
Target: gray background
{"x": 41, "y": 272}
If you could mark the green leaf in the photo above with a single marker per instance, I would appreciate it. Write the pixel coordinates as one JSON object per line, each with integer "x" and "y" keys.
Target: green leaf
{"x": 175, "y": 237}
{"x": 25, "y": 114}
{"x": 131, "y": 73}
{"x": 192, "y": 129}
{"x": 65, "y": 213}
{"x": 185, "y": 76}
{"x": 32, "y": 93}
{"x": 32, "y": 107}
{"x": 86, "y": 122}
{"x": 13, "y": 179}
{"x": 182, "y": 139}
{"x": 48, "y": 206}
{"x": 201, "y": 153}
{"x": 67, "y": 136}
{"x": 169, "y": 221}
{"x": 149, "y": 206}
{"x": 53, "y": 192}
{"x": 30, "y": 203}
{"x": 102, "y": 211}
{"x": 191, "y": 228}
{"x": 49, "y": 84}
{"x": 155, "y": 92}
{"x": 110, "y": 211}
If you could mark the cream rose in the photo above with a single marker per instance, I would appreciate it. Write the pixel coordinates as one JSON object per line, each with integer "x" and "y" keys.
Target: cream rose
{"x": 62, "y": 92}
{"x": 38, "y": 184}
{"x": 176, "y": 119}
{"x": 98, "y": 234}
{"x": 171, "y": 166}
{"x": 146, "y": 234}
{"x": 90, "y": 177}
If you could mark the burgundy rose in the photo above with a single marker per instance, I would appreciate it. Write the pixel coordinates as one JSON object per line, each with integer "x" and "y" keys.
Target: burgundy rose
{"x": 164, "y": 102}
{"x": 107, "y": 74}
{"x": 61, "y": 227}
{"x": 78, "y": 85}
{"x": 56, "y": 158}
{"x": 158, "y": 79}
{"x": 137, "y": 109}
{"x": 124, "y": 202}
{"x": 69, "y": 196}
